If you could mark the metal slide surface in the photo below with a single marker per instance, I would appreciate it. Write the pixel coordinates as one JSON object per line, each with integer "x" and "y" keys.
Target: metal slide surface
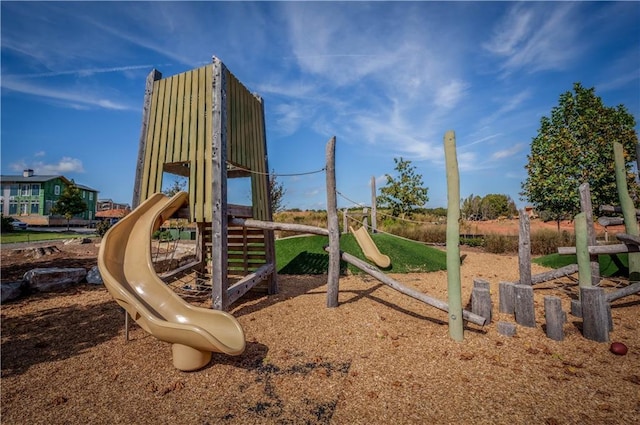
{"x": 126, "y": 267}
{"x": 369, "y": 248}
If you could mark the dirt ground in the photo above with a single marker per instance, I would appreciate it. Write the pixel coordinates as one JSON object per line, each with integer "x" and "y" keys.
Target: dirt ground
{"x": 379, "y": 358}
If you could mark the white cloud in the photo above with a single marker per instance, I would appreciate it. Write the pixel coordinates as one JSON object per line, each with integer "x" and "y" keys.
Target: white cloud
{"x": 72, "y": 97}
{"x": 507, "y": 153}
{"x": 536, "y": 37}
{"x": 64, "y": 166}
{"x": 448, "y": 95}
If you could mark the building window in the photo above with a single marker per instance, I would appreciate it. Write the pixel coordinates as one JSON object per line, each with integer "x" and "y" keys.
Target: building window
{"x": 91, "y": 196}
{"x": 25, "y": 190}
{"x": 35, "y": 190}
{"x": 84, "y": 194}
{"x": 13, "y": 191}
{"x": 56, "y": 189}
{"x": 24, "y": 208}
{"x": 35, "y": 208}
{"x": 13, "y": 208}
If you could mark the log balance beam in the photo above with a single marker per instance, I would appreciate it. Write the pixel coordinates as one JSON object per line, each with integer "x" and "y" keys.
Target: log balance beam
{"x": 440, "y": 305}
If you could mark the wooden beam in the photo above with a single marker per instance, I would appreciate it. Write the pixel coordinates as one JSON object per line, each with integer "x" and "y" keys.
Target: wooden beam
{"x": 270, "y": 225}
{"x": 623, "y": 292}
{"x": 554, "y": 274}
{"x": 238, "y": 289}
{"x": 413, "y": 293}
{"x": 600, "y": 249}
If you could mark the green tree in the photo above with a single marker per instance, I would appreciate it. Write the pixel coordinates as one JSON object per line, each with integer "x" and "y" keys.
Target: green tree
{"x": 179, "y": 185}
{"x": 69, "y": 203}
{"x": 497, "y": 205}
{"x": 277, "y": 193}
{"x": 471, "y": 207}
{"x": 404, "y": 194}
{"x": 573, "y": 146}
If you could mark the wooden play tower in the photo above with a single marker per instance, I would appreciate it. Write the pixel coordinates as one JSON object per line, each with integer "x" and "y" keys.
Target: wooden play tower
{"x": 205, "y": 125}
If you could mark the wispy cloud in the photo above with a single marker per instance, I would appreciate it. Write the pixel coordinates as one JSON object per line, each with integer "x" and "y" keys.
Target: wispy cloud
{"x": 535, "y": 37}
{"x": 507, "y": 153}
{"x": 73, "y": 98}
{"x": 80, "y": 72}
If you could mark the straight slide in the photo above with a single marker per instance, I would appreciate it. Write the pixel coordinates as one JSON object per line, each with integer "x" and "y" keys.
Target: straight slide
{"x": 369, "y": 248}
{"x": 126, "y": 267}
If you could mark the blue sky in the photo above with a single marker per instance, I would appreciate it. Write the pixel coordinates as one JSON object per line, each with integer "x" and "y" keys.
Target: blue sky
{"x": 387, "y": 79}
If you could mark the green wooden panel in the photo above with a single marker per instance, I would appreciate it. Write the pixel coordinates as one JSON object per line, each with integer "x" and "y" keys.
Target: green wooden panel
{"x": 200, "y": 149}
{"x": 177, "y": 144}
{"x": 164, "y": 134}
{"x": 208, "y": 154}
{"x": 144, "y": 184}
{"x": 186, "y": 115}
{"x": 193, "y": 143}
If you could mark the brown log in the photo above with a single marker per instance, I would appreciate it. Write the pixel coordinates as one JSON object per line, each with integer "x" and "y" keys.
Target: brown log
{"x": 554, "y": 274}
{"x": 600, "y": 249}
{"x": 413, "y": 293}
{"x": 623, "y": 292}
{"x": 271, "y": 225}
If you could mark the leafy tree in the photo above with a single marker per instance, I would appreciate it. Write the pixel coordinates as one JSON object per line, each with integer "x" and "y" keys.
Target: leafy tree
{"x": 497, "y": 205}
{"x": 69, "y": 203}
{"x": 179, "y": 185}
{"x": 573, "y": 146}
{"x": 404, "y": 194}
{"x": 277, "y": 193}
{"x": 472, "y": 207}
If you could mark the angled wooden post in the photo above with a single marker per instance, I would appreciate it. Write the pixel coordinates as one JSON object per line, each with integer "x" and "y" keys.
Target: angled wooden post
{"x": 454, "y": 285}
{"x": 332, "y": 225}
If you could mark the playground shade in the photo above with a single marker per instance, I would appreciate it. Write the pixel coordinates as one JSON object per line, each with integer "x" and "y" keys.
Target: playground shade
{"x": 126, "y": 266}
{"x": 370, "y": 249}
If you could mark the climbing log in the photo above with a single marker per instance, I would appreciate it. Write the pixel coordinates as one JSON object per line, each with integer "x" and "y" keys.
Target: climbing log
{"x": 270, "y": 225}
{"x": 440, "y": 305}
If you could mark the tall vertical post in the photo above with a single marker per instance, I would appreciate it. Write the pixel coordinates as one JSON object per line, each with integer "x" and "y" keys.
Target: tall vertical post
{"x": 454, "y": 286}
{"x": 374, "y": 208}
{"x": 154, "y": 75}
{"x": 582, "y": 250}
{"x": 524, "y": 247}
{"x": 587, "y": 209}
{"x": 219, "y": 221}
{"x": 628, "y": 209}
{"x": 332, "y": 225}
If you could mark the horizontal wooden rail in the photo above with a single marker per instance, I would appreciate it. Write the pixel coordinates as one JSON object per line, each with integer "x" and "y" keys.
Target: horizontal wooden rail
{"x": 623, "y": 292}
{"x": 601, "y": 249}
{"x": 270, "y": 225}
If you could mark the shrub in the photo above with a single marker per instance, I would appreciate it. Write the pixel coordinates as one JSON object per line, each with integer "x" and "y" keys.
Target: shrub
{"x": 544, "y": 242}
{"x": 500, "y": 244}
{"x": 102, "y": 227}
{"x": 6, "y": 225}
{"x": 162, "y": 235}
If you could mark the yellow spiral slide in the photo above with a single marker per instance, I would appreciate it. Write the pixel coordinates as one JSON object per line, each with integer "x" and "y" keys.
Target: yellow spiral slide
{"x": 126, "y": 267}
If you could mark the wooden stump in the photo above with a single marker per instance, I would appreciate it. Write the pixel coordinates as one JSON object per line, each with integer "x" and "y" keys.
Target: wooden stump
{"x": 595, "y": 321}
{"x": 554, "y": 317}
{"x": 524, "y": 311}
{"x": 506, "y": 297}
{"x": 481, "y": 303}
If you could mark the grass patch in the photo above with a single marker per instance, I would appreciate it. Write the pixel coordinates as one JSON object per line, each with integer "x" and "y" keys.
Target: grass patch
{"x": 35, "y": 236}
{"x": 610, "y": 265}
{"x": 306, "y": 255}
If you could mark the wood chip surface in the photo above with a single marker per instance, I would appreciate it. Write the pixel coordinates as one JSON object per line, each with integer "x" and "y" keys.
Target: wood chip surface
{"x": 379, "y": 358}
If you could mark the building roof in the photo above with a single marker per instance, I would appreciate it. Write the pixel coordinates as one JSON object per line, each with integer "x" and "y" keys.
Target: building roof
{"x": 41, "y": 179}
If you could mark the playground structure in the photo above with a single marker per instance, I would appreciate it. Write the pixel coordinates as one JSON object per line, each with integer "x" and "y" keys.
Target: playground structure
{"x": 593, "y": 303}
{"x": 205, "y": 125}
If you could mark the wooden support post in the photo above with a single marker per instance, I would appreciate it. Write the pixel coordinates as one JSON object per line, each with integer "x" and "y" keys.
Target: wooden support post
{"x": 219, "y": 219}
{"x": 582, "y": 250}
{"x": 506, "y": 329}
{"x": 524, "y": 247}
{"x": 595, "y": 321}
{"x": 524, "y": 307}
{"x": 154, "y": 75}
{"x": 506, "y": 294}
{"x": 554, "y": 274}
{"x": 481, "y": 283}
{"x": 374, "y": 206}
{"x": 628, "y": 209}
{"x": 332, "y": 225}
{"x": 587, "y": 209}
{"x": 454, "y": 285}
{"x": 554, "y": 317}
{"x": 345, "y": 222}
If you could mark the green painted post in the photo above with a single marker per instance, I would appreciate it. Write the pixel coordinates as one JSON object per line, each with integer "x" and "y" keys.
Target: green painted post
{"x": 582, "y": 250}
{"x": 454, "y": 286}
{"x": 628, "y": 209}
